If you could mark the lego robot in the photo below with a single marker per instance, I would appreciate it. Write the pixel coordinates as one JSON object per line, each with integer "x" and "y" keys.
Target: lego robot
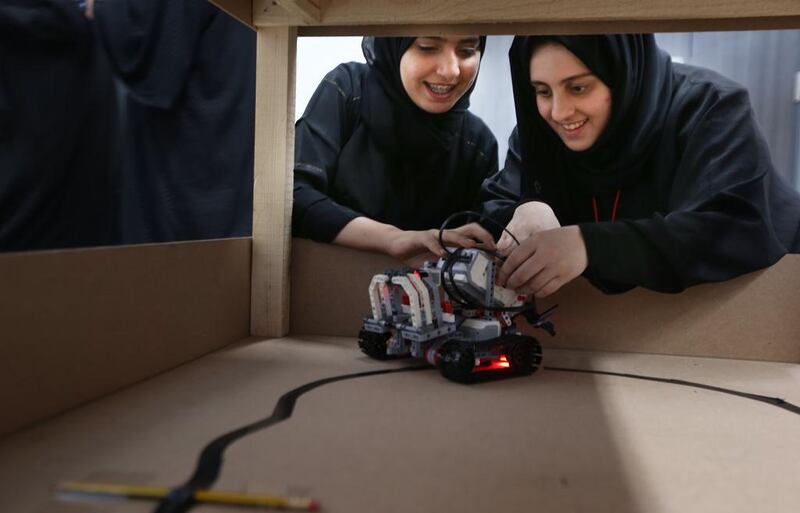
{"x": 451, "y": 314}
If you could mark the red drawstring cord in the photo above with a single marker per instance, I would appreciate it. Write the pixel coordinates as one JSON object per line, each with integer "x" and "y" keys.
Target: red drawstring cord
{"x": 613, "y": 211}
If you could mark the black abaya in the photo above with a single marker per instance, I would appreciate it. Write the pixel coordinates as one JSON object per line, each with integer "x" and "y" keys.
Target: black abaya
{"x": 699, "y": 199}
{"x": 362, "y": 148}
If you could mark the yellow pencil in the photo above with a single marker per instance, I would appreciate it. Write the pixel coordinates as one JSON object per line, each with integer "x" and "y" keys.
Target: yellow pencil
{"x": 206, "y": 496}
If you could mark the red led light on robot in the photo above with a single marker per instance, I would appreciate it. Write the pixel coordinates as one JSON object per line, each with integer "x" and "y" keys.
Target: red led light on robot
{"x": 491, "y": 365}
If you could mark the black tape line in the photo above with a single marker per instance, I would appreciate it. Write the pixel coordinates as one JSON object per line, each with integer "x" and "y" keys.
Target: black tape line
{"x": 774, "y": 401}
{"x": 210, "y": 461}
{"x": 180, "y": 499}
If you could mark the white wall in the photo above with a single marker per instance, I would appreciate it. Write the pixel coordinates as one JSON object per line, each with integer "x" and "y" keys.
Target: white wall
{"x": 316, "y": 56}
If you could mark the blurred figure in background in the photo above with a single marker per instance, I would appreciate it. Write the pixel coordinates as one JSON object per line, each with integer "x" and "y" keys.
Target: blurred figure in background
{"x": 57, "y": 129}
{"x": 188, "y": 70}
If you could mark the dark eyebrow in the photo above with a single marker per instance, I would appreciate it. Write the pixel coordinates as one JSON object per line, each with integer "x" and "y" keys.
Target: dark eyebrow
{"x": 573, "y": 77}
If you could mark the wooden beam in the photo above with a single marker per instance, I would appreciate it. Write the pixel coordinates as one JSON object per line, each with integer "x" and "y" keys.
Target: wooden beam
{"x": 272, "y": 195}
{"x": 304, "y": 10}
{"x": 510, "y": 16}
{"x": 242, "y": 10}
{"x": 558, "y": 27}
{"x": 290, "y": 12}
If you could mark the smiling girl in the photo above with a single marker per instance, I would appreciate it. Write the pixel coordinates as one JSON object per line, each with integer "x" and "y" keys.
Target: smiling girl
{"x": 386, "y": 151}
{"x": 636, "y": 171}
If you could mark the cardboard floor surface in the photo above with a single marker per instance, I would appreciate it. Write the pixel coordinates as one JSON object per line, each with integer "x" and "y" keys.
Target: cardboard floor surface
{"x": 553, "y": 442}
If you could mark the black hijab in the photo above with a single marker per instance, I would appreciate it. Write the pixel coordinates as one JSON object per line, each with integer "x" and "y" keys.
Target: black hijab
{"x": 700, "y": 199}
{"x": 639, "y": 75}
{"x": 395, "y": 122}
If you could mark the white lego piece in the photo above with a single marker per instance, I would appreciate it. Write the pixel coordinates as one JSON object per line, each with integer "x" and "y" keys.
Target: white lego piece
{"x": 508, "y": 297}
{"x": 424, "y": 295}
{"x": 413, "y": 299}
{"x": 377, "y": 296}
{"x": 477, "y": 270}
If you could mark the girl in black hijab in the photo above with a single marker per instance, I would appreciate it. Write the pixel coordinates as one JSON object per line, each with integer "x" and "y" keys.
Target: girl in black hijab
{"x": 386, "y": 151}
{"x": 641, "y": 172}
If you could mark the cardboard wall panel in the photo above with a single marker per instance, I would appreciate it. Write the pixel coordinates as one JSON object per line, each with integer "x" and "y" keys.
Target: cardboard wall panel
{"x": 751, "y": 317}
{"x": 79, "y": 324}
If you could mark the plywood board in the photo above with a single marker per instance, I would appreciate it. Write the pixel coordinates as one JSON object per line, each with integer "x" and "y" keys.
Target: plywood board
{"x": 79, "y": 324}
{"x": 555, "y": 441}
{"x": 751, "y": 317}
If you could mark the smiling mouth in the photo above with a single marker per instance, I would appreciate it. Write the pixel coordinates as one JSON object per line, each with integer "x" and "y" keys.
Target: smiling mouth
{"x": 571, "y": 127}
{"x": 439, "y": 90}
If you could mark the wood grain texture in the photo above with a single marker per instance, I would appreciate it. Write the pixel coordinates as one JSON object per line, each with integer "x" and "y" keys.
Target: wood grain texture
{"x": 242, "y": 10}
{"x": 272, "y": 196}
{"x": 354, "y": 13}
{"x": 79, "y": 324}
{"x": 402, "y": 17}
{"x": 557, "y": 27}
{"x": 304, "y": 10}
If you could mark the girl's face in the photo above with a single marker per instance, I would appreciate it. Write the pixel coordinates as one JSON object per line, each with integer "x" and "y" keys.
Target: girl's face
{"x": 574, "y": 102}
{"x": 437, "y": 71}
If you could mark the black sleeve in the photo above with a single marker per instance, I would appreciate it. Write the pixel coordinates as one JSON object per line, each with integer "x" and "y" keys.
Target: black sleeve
{"x": 319, "y": 137}
{"x": 151, "y": 43}
{"x": 501, "y": 192}
{"x": 42, "y": 21}
{"x": 719, "y": 224}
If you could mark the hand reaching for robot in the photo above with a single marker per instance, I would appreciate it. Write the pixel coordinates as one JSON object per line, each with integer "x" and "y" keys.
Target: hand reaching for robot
{"x": 544, "y": 262}
{"x": 529, "y": 218}
{"x": 414, "y": 247}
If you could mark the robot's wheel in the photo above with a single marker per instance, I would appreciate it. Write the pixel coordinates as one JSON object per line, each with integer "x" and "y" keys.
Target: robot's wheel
{"x": 525, "y": 354}
{"x": 374, "y": 344}
{"x": 456, "y": 362}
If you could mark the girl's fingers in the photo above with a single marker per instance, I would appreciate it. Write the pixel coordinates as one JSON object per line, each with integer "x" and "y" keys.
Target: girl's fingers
{"x": 549, "y": 288}
{"x": 525, "y": 269}
{"x": 516, "y": 258}
{"x": 476, "y": 231}
{"x": 504, "y": 243}
{"x": 458, "y": 238}
{"x": 541, "y": 279}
